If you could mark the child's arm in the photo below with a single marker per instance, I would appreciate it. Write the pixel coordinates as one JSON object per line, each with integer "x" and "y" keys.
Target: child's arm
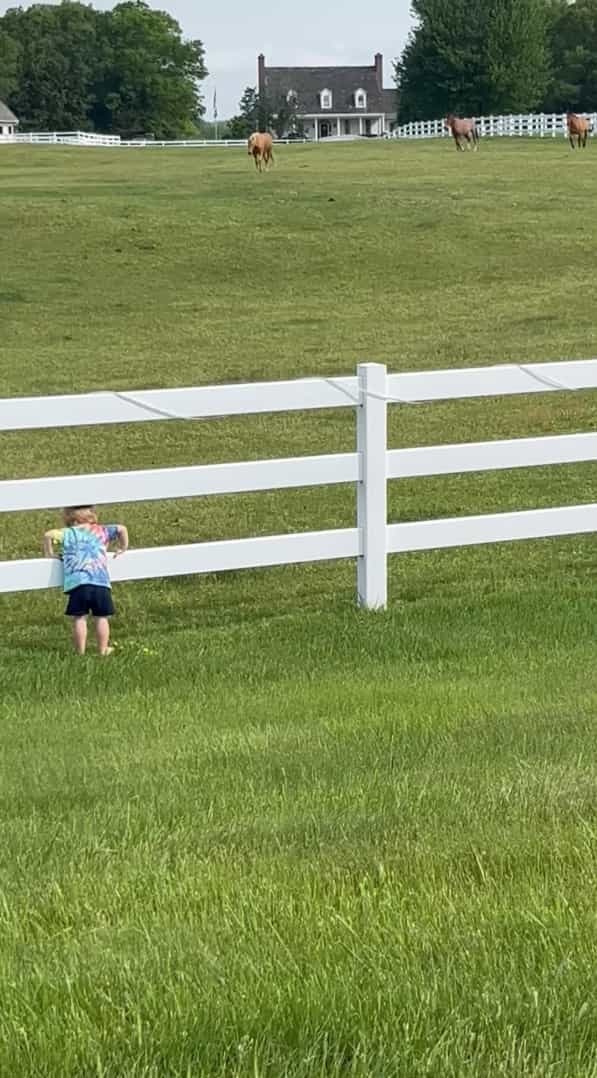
{"x": 49, "y": 550}
{"x": 123, "y": 540}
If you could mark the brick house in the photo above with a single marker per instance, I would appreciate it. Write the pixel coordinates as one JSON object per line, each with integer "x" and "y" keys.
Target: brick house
{"x": 332, "y": 101}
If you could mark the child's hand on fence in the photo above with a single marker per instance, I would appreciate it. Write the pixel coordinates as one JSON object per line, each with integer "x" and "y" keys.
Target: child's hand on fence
{"x": 123, "y": 541}
{"x": 48, "y": 546}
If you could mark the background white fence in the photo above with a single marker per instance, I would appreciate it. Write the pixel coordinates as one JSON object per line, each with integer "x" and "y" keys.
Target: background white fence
{"x": 370, "y": 467}
{"x": 91, "y": 138}
{"x": 540, "y": 125}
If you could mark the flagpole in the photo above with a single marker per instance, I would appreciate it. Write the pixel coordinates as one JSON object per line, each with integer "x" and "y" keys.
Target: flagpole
{"x": 215, "y": 113}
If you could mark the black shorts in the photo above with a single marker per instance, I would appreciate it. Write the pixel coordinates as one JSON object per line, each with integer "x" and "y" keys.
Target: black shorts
{"x": 90, "y": 599}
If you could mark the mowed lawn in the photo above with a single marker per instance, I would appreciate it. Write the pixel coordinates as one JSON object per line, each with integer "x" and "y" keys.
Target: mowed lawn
{"x": 275, "y": 836}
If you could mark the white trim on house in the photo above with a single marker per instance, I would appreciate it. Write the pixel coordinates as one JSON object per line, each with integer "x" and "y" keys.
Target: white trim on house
{"x": 343, "y": 123}
{"x": 342, "y": 115}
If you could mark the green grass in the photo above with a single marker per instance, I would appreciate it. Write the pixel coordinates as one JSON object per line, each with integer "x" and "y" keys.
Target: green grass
{"x": 276, "y": 836}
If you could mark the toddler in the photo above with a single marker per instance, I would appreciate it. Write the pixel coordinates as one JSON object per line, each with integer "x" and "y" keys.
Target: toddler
{"x": 82, "y": 547}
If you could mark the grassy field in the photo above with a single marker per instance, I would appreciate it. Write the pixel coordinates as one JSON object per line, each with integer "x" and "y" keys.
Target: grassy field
{"x": 275, "y": 836}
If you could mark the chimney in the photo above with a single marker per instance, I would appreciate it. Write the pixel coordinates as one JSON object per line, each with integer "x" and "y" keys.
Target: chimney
{"x": 261, "y": 73}
{"x": 379, "y": 70}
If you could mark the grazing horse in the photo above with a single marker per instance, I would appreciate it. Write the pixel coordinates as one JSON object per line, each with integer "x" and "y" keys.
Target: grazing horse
{"x": 261, "y": 149}
{"x": 463, "y": 131}
{"x": 579, "y": 128}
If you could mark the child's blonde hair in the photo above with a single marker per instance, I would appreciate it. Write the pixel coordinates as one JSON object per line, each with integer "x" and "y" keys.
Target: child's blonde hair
{"x": 80, "y": 514}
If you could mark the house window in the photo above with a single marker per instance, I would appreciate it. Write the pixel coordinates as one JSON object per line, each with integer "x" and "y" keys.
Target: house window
{"x": 291, "y": 97}
{"x": 360, "y": 99}
{"x": 325, "y": 98}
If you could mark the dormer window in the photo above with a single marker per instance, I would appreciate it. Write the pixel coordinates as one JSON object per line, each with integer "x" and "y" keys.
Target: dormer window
{"x": 291, "y": 97}
{"x": 360, "y": 99}
{"x": 325, "y": 99}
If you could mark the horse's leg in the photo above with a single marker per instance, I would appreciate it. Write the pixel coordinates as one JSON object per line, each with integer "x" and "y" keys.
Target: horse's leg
{"x": 571, "y": 137}
{"x": 584, "y": 141}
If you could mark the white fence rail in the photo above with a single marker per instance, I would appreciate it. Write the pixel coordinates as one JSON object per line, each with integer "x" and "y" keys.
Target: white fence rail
{"x": 369, "y": 467}
{"x": 91, "y": 138}
{"x": 539, "y": 125}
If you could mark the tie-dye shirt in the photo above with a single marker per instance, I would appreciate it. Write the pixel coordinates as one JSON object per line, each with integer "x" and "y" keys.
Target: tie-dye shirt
{"x": 83, "y": 551}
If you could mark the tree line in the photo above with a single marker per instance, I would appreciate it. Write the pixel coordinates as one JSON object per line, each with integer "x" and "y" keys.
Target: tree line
{"x": 484, "y": 57}
{"x": 127, "y": 71}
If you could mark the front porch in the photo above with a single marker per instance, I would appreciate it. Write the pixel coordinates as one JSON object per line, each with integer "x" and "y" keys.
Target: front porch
{"x": 338, "y": 126}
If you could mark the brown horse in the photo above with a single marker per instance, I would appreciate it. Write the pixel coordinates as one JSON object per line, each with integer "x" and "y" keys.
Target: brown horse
{"x": 579, "y": 128}
{"x": 261, "y": 149}
{"x": 463, "y": 131}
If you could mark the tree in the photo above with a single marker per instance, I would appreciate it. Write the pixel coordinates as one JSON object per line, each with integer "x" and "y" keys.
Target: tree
{"x": 56, "y": 56}
{"x": 284, "y": 115}
{"x": 259, "y": 113}
{"x": 473, "y": 56}
{"x": 150, "y": 80}
{"x": 255, "y": 114}
{"x": 442, "y": 68}
{"x": 129, "y": 70}
{"x": 573, "y": 39}
{"x": 9, "y": 52}
{"x": 518, "y": 60}
{"x": 238, "y": 128}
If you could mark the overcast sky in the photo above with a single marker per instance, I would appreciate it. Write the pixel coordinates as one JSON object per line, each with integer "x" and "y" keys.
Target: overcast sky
{"x": 235, "y": 31}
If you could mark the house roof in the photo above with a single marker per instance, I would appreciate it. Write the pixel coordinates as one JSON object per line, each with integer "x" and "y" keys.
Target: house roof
{"x": 308, "y": 82}
{"x": 390, "y": 98}
{"x": 6, "y": 116}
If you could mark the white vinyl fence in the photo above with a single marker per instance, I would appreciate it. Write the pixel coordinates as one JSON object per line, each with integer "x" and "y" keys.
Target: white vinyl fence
{"x": 369, "y": 467}
{"x": 540, "y": 125}
{"x": 91, "y": 138}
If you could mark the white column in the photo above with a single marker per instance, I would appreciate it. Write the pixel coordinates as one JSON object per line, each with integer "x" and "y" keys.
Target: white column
{"x": 338, "y": 122}
{"x": 316, "y": 125}
{"x": 360, "y": 125}
{"x": 372, "y": 514}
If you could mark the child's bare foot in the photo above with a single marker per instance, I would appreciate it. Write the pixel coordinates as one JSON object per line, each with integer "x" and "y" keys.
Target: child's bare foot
{"x": 107, "y": 651}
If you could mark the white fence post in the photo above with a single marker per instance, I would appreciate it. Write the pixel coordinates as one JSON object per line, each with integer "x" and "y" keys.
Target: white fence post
{"x": 372, "y": 515}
